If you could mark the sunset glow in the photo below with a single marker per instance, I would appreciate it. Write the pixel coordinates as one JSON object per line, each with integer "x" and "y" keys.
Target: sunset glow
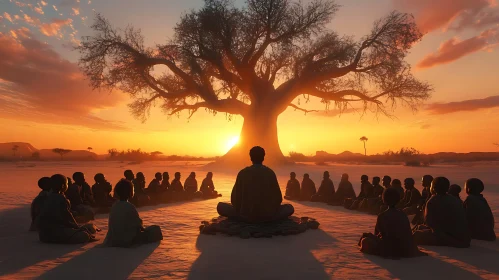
{"x": 46, "y": 101}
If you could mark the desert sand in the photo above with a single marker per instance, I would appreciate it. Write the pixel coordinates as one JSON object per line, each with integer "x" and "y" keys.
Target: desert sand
{"x": 327, "y": 253}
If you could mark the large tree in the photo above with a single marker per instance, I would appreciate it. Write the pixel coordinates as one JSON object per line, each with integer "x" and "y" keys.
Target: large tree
{"x": 256, "y": 61}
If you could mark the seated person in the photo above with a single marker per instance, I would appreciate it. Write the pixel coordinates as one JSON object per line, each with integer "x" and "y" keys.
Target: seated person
{"x": 37, "y": 204}
{"x": 397, "y": 185}
{"x": 102, "y": 191}
{"x": 307, "y": 188}
{"x": 154, "y": 189}
{"x": 480, "y": 218}
{"x": 418, "y": 210}
{"x": 256, "y": 196}
{"x": 366, "y": 191}
{"x": 56, "y": 223}
{"x": 178, "y": 192}
{"x": 292, "y": 188}
{"x": 412, "y": 196}
{"x": 345, "y": 191}
{"x": 392, "y": 236}
{"x": 125, "y": 225}
{"x": 191, "y": 187}
{"x": 208, "y": 188}
{"x": 165, "y": 184}
{"x": 81, "y": 211}
{"x": 129, "y": 175}
{"x": 326, "y": 190}
{"x": 376, "y": 201}
{"x": 377, "y": 188}
{"x": 139, "y": 187}
{"x": 85, "y": 191}
{"x": 444, "y": 219}
{"x": 455, "y": 190}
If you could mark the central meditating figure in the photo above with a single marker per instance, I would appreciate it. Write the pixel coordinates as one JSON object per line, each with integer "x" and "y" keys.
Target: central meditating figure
{"x": 256, "y": 196}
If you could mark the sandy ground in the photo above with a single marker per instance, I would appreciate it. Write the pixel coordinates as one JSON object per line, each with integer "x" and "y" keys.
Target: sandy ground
{"x": 327, "y": 253}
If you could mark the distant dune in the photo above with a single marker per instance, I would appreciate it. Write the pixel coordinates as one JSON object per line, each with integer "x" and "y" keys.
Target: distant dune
{"x": 26, "y": 151}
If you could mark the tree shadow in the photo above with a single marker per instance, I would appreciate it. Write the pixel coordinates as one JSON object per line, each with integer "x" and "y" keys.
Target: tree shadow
{"x": 281, "y": 257}
{"x": 422, "y": 268}
{"x": 326, "y": 206}
{"x": 102, "y": 263}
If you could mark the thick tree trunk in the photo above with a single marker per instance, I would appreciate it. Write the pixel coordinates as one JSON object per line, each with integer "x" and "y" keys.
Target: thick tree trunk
{"x": 259, "y": 129}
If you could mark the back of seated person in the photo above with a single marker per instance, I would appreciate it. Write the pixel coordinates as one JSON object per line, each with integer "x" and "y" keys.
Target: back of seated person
{"x": 307, "y": 188}
{"x": 39, "y": 201}
{"x": 392, "y": 236}
{"x": 125, "y": 226}
{"x": 345, "y": 191}
{"x": 256, "y": 196}
{"x": 455, "y": 191}
{"x": 445, "y": 221}
{"x": 326, "y": 190}
{"x": 292, "y": 187}
{"x": 208, "y": 187}
{"x": 102, "y": 191}
{"x": 479, "y": 215}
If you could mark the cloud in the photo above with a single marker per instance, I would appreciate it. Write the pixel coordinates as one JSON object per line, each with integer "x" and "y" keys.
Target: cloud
{"x": 7, "y": 16}
{"x": 453, "y": 49}
{"x": 37, "y": 84}
{"x": 465, "y": 105}
{"x": 39, "y": 10}
{"x": 451, "y": 14}
{"x": 53, "y": 28}
{"x": 76, "y": 11}
{"x": 43, "y": 3}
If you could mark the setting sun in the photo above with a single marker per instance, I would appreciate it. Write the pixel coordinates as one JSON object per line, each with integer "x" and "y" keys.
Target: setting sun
{"x": 231, "y": 142}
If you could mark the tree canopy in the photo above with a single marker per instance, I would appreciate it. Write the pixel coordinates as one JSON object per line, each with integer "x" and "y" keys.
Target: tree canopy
{"x": 229, "y": 59}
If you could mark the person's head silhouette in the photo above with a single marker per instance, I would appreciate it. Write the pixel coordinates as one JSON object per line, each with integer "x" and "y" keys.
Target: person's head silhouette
{"x": 257, "y": 155}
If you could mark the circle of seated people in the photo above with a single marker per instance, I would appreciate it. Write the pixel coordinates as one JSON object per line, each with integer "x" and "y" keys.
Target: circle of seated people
{"x": 62, "y": 209}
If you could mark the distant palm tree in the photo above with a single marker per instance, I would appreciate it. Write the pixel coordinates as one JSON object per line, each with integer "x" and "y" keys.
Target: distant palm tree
{"x": 89, "y": 149}
{"x": 14, "y": 149}
{"x": 364, "y": 139}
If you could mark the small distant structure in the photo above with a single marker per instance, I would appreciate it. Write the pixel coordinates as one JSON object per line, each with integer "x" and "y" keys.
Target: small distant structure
{"x": 364, "y": 139}
{"x": 90, "y": 149}
{"x": 156, "y": 153}
{"x": 61, "y": 152}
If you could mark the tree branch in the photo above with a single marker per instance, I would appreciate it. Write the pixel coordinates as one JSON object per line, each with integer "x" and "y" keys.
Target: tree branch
{"x": 301, "y": 109}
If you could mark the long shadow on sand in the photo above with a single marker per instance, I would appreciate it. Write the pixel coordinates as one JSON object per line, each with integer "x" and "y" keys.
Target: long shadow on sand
{"x": 480, "y": 257}
{"x": 102, "y": 263}
{"x": 326, "y": 207}
{"x": 15, "y": 221}
{"x": 282, "y": 257}
{"x": 422, "y": 268}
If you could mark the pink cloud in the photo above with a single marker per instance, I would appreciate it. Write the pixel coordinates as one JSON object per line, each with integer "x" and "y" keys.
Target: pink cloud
{"x": 454, "y": 49}
{"x": 7, "y": 16}
{"x": 455, "y": 14}
{"x": 54, "y": 27}
{"x": 37, "y": 84}
{"x": 465, "y": 105}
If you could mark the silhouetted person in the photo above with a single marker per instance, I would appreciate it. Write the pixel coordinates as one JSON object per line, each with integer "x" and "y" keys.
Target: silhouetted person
{"x": 39, "y": 201}
{"x": 165, "y": 184}
{"x": 307, "y": 188}
{"x": 418, "y": 210}
{"x": 102, "y": 191}
{"x": 412, "y": 196}
{"x": 444, "y": 220}
{"x": 480, "y": 218}
{"x": 129, "y": 175}
{"x": 256, "y": 196}
{"x": 191, "y": 187}
{"x": 392, "y": 236}
{"x": 455, "y": 191}
{"x": 377, "y": 188}
{"x": 86, "y": 191}
{"x": 375, "y": 202}
{"x": 366, "y": 191}
{"x": 292, "y": 188}
{"x": 125, "y": 225}
{"x": 208, "y": 188}
{"x": 326, "y": 190}
{"x": 154, "y": 187}
{"x": 82, "y": 211}
{"x": 56, "y": 224}
{"x": 345, "y": 191}
{"x": 177, "y": 188}
{"x": 139, "y": 185}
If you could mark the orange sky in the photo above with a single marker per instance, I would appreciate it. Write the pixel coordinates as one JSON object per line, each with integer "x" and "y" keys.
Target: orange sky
{"x": 45, "y": 101}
